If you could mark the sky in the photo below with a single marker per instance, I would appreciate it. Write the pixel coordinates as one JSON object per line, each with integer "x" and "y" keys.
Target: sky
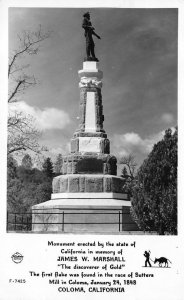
{"x": 138, "y": 56}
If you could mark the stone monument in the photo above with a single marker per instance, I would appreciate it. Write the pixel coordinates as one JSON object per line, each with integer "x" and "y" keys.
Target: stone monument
{"x": 88, "y": 196}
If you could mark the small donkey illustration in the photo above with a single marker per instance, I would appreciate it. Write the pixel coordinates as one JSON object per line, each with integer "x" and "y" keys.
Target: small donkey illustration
{"x": 162, "y": 260}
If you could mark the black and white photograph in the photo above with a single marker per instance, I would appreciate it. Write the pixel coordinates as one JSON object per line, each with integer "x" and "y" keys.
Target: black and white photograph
{"x": 91, "y": 188}
{"x": 92, "y": 125}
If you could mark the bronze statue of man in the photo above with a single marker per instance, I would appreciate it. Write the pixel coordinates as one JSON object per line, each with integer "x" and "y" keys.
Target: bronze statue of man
{"x": 89, "y": 32}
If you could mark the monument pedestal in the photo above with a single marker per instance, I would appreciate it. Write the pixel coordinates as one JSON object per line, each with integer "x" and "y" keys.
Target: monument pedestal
{"x": 84, "y": 212}
{"x": 88, "y": 197}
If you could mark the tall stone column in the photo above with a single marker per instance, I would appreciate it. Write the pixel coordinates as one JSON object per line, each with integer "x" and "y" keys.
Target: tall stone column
{"x": 88, "y": 182}
{"x": 91, "y": 109}
{"x": 90, "y": 147}
{"x": 90, "y": 135}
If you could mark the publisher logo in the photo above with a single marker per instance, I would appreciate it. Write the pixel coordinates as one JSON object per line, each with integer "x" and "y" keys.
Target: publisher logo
{"x": 17, "y": 257}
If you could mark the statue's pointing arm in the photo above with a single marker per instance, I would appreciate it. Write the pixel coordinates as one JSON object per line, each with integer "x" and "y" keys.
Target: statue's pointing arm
{"x": 94, "y": 33}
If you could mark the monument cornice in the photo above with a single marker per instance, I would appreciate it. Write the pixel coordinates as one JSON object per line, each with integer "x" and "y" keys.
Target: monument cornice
{"x": 91, "y": 74}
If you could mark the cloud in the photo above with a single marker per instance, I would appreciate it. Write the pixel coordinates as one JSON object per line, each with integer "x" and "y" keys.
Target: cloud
{"x": 167, "y": 118}
{"x": 46, "y": 119}
{"x": 133, "y": 143}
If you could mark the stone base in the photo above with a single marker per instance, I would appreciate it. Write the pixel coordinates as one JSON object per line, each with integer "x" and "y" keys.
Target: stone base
{"x": 90, "y": 69}
{"x": 83, "y": 215}
{"x": 88, "y": 163}
{"x": 87, "y": 183}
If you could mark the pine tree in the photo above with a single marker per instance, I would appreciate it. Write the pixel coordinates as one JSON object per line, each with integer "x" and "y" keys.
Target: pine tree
{"x": 48, "y": 167}
{"x": 154, "y": 202}
{"x": 124, "y": 172}
{"x": 58, "y": 164}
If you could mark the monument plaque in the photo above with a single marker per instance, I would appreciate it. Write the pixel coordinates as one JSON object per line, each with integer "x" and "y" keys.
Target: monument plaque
{"x": 89, "y": 144}
{"x": 90, "y": 165}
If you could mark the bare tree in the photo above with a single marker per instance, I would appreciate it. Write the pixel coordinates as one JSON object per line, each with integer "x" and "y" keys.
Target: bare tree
{"x": 29, "y": 44}
{"x": 22, "y": 132}
{"x": 129, "y": 161}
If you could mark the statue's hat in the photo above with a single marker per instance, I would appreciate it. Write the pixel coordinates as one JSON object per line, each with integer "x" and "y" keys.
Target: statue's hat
{"x": 86, "y": 14}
